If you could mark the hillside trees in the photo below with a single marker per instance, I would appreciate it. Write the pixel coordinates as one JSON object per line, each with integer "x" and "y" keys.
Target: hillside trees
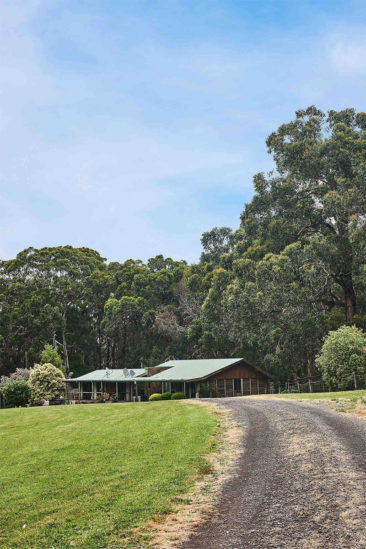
{"x": 43, "y": 299}
{"x": 270, "y": 291}
{"x": 317, "y": 195}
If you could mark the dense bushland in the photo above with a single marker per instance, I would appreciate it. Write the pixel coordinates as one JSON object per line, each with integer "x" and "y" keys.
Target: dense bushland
{"x": 269, "y": 291}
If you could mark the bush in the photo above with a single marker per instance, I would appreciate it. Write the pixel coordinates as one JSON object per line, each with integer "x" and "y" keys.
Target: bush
{"x": 343, "y": 356}
{"x": 178, "y": 396}
{"x": 20, "y": 374}
{"x": 17, "y": 392}
{"x": 155, "y": 396}
{"x": 47, "y": 382}
{"x": 49, "y": 355}
{"x": 166, "y": 396}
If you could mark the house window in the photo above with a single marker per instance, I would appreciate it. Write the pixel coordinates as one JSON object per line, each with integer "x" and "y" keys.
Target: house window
{"x": 237, "y": 385}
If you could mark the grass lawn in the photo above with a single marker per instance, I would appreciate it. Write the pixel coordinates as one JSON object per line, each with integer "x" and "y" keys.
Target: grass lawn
{"x": 332, "y": 395}
{"x": 85, "y": 476}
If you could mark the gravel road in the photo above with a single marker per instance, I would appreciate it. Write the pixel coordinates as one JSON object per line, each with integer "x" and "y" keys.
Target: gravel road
{"x": 300, "y": 483}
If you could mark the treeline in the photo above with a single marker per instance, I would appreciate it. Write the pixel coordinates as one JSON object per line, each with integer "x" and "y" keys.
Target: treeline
{"x": 269, "y": 291}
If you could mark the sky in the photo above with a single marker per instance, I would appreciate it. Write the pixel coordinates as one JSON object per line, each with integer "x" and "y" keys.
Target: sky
{"x": 131, "y": 127}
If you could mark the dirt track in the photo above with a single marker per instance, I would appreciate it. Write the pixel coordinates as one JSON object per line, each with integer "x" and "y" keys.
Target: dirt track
{"x": 301, "y": 482}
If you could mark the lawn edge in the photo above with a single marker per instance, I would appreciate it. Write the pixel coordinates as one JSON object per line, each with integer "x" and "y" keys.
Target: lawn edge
{"x": 197, "y": 505}
{"x": 340, "y": 406}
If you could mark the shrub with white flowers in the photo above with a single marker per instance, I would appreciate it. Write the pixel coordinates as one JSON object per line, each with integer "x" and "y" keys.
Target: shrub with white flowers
{"x": 47, "y": 382}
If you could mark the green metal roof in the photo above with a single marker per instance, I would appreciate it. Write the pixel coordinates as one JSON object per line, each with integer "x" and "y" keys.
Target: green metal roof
{"x": 184, "y": 370}
{"x": 176, "y": 370}
{"x": 110, "y": 375}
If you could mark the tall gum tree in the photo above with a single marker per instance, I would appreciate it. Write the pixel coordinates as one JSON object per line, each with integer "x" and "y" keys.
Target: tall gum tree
{"x": 318, "y": 190}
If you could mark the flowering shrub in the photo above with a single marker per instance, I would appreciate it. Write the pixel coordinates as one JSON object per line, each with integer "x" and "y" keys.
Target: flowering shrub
{"x": 47, "y": 382}
{"x": 20, "y": 374}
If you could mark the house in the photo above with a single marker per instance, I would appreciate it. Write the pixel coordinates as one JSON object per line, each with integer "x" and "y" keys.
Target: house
{"x": 217, "y": 377}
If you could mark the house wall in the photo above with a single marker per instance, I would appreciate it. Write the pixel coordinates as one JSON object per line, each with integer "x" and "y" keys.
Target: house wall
{"x": 242, "y": 370}
{"x": 240, "y": 379}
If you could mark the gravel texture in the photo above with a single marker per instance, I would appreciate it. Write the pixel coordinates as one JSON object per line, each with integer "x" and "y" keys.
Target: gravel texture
{"x": 300, "y": 483}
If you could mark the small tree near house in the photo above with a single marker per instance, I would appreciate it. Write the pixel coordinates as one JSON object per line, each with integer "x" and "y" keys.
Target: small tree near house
{"x": 47, "y": 382}
{"x": 49, "y": 355}
{"x": 342, "y": 359}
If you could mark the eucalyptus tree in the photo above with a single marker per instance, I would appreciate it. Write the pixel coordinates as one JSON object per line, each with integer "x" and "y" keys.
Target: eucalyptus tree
{"x": 317, "y": 192}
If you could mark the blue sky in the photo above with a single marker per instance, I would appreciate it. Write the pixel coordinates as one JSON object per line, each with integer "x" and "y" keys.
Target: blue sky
{"x": 133, "y": 126}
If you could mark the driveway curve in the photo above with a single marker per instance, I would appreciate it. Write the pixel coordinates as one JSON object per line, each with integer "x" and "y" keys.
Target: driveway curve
{"x": 300, "y": 482}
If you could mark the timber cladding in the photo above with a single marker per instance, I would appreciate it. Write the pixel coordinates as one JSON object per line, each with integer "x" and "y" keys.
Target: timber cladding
{"x": 242, "y": 370}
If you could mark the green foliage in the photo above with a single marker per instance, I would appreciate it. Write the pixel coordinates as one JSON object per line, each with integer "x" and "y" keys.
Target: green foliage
{"x": 49, "y": 355}
{"x": 343, "y": 356}
{"x": 46, "y": 382}
{"x": 20, "y": 374}
{"x": 17, "y": 392}
{"x": 155, "y": 396}
{"x": 178, "y": 396}
{"x": 269, "y": 291}
{"x": 166, "y": 396}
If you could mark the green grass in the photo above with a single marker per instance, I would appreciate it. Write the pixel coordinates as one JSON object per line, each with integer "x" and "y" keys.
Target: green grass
{"x": 85, "y": 476}
{"x": 332, "y": 395}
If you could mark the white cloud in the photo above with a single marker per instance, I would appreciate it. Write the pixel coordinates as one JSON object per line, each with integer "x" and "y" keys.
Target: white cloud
{"x": 347, "y": 50}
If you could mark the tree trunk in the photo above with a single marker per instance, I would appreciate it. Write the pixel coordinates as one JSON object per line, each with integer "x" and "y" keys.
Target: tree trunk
{"x": 350, "y": 301}
{"x": 113, "y": 355}
{"x": 108, "y": 352}
{"x": 66, "y": 356}
{"x": 310, "y": 366}
{"x": 99, "y": 348}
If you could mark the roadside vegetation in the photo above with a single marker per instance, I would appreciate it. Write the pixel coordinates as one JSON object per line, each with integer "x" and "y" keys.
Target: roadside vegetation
{"x": 86, "y": 476}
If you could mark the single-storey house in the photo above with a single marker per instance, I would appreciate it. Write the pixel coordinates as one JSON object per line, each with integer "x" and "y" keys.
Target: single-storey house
{"x": 218, "y": 377}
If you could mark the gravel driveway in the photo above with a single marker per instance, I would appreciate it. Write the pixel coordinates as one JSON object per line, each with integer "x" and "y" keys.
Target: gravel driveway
{"x": 300, "y": 483}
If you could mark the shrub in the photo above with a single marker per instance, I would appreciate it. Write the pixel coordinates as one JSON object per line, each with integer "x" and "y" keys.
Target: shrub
{"x": 20, "y": 374}
{"x": 17, "y": 392}
{"x": 166, "y": 396}
{"x": 49, "y": 355}
{"x": 155, "y": 396}
{"x": 178, "y": 396}
{"x": 343, "y": 356}
{"x": 47, "y": 382}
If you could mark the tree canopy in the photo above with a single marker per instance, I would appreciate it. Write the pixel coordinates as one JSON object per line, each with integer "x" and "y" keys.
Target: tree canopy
{"x": 270, "y": 290}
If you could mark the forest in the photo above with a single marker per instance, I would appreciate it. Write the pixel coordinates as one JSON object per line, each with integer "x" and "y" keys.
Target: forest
{"x": 269, "y": 291}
